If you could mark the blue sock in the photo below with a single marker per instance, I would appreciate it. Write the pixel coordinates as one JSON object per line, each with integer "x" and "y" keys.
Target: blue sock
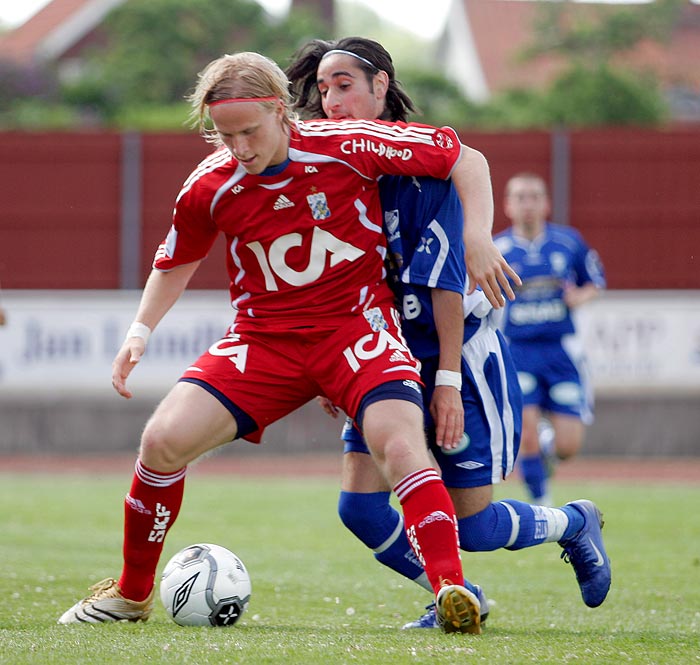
{"x": 516, "y": 525}
{"x": 380, "y": 527}
{"x": 535, "y": 476}
{"x": 369, "y": 516}
{"x": 489, "y": 530}
{"x": 576, "y": 521}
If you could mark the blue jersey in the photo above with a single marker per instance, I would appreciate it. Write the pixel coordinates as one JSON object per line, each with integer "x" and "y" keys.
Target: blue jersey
{"x": 423, "y": 225}
{"x": 556, "y": 258}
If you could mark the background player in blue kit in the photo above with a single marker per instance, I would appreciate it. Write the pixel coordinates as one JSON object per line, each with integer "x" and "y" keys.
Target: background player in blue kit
{"x": 559, "y": 272}
{"x": 470, "y": 381}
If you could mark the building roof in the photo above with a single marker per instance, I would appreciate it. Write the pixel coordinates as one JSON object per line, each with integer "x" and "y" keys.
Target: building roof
{"x": 53, "y": 30}
{"x": 499, "y": 30}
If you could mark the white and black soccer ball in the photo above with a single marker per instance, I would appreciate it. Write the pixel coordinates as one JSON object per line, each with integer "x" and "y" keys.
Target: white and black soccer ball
{"x": 205, "y": 585}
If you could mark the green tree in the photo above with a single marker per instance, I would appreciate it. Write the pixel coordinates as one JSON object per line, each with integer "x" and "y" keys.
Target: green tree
{"x": 154, "y": 49}
{"x": 603, "y": 95}
{"x": 596, "y": 34}
{"x": 596, "y": 87}
{"x": 29, "y": 95}
{"x": 438, "y": 101}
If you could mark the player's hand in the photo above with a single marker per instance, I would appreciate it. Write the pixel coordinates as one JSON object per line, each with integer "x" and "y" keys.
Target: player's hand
{"x": 129, "y": 355}
{"x": 328, "y": 406}
{"x": 575, "y": 296}
{"x": 487, "y": 268}
{"x": 447, "y": 411}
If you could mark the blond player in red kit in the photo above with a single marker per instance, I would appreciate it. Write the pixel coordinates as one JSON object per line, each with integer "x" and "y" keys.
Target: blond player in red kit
{"x": 299, "y": 207}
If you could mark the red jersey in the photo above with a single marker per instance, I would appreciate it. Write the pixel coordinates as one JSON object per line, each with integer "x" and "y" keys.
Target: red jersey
{"x": 304, "y": 238}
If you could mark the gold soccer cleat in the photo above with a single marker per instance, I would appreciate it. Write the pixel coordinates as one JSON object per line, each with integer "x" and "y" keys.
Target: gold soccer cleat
{"x": 106, "y": 603}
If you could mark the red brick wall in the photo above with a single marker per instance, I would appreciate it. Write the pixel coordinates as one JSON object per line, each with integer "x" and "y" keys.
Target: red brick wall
{"x": 59, "y": 211}
{"x": 635, "y": 195}
{"x": 167, "y": 161}
{"x": 510, "y": 153}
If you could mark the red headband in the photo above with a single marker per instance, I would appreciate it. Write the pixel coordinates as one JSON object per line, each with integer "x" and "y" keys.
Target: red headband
{"x": 234, "y": 100}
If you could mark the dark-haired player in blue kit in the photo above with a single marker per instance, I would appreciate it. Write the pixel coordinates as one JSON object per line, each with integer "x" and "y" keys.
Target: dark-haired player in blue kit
{"x": 559, "y": 272}
{"x": 469, "y": 377}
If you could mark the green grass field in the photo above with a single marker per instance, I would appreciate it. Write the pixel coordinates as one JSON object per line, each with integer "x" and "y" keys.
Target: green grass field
{"x": 319, "y": 597}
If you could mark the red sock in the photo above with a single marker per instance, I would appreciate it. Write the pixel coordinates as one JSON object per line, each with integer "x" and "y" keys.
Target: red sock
{"x": 431, "y": 526}
{"x": 150, "y": 509}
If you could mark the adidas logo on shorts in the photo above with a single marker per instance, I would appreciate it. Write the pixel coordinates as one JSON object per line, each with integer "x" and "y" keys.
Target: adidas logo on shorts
{"x": 282, "y": 202}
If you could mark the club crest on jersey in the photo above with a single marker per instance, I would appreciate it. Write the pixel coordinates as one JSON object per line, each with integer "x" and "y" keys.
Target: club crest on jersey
{"x": 375, "y": 318}
{"x": 319, "y": 206}
{"x": 443, "y": 140}
{"x": 391, "y": 221}
{"x": 558, "y": 262}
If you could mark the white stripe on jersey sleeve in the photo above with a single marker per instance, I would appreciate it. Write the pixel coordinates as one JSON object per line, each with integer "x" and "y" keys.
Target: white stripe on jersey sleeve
{"x": 352, "y": 126}
{"x": 238, "y": 174}
{"x": 304, "y": 157}
{"x": 407, "y": 134}
{"x": 166, "y": 249}
{"x": 364, "y": 220}
{"x": 439, "y": 264}
{"x": 211, "y": 163}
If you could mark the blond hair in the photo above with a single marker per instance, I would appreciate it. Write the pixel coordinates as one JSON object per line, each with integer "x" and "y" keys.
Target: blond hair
{"x": 245, "y": 75}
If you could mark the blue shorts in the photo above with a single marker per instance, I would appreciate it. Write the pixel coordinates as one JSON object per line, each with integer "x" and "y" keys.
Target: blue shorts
{"x": 492, "y": 414}
{"x": 553, "y": 376}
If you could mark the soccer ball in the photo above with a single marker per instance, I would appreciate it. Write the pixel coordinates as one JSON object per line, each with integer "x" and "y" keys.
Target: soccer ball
{"x": 205, "y": 585}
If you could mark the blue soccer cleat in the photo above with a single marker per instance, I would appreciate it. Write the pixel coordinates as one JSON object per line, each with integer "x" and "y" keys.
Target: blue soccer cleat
{"x": 429, "y": 619}
{"x": 586, "y": 553}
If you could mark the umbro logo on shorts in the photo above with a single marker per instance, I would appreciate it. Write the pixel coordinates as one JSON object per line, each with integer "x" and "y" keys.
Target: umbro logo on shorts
{"x": 282, "y": 202}
{"x": 471, "y": 465}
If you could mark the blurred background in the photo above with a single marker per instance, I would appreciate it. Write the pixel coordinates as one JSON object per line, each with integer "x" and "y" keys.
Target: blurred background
{"x": 601, "y": 99}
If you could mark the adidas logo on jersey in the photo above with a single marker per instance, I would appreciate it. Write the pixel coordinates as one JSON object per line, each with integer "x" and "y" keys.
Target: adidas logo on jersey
{"x": 398, "y": 357}
{"x": 282, "y": 202}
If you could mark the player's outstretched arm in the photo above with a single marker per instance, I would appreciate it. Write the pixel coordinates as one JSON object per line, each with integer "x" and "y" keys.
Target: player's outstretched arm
{"x": 160, "y": 293}
{"x": 486, "y": 266}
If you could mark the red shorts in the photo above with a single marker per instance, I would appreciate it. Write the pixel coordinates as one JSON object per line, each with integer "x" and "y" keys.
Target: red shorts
{"x": 270, "y": 374}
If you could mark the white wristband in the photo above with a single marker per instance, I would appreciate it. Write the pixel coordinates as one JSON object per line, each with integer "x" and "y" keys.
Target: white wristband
{"x": 444, "y": 377}
{"x": 138, "y": 329}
